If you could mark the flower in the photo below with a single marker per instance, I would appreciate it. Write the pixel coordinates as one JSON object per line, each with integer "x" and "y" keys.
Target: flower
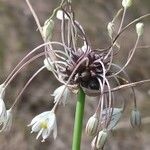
{"x": 61, "y": 94}
{"x": 3, "y": 112}
{"x": 44, "y": 124}
{"x": 7, "y": 123}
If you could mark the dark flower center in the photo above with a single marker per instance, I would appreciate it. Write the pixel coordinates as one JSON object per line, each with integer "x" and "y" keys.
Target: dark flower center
{"x": 86, "y": 74}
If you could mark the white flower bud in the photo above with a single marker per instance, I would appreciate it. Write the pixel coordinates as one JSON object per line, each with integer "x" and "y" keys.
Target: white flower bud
{"x": 135, "y": 119}
{"x": 48, "y": 64}
{"x": 48, "y": 29}
{"x": 99, "y": 142}
{"x": 61, "y": 15}
{"x": 139, "y": 28}
{"x": 110, "y": 28}
{"x": 92, "y": 124}
{"x": 126, "y": 3}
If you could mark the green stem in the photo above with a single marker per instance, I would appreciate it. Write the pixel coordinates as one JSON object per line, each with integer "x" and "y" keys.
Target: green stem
{"x": 77, "y": 134}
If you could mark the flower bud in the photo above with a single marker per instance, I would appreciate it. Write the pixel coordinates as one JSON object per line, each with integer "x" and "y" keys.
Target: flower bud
{"x": 61, "y": 15}
{"x": 48, "y": 64}
{"x": 139, "y": 28}
{"x": 135, "y": 119}
{"x": 126, "y": 3}
{"x": 99, "y": 142}
{"x": 92, "y": 124}
{"x": 48, "y": 29}
{"x": 110, "y": 28}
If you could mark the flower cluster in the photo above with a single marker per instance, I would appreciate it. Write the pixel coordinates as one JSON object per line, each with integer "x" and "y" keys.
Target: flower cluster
{"x": 78, "y": 66}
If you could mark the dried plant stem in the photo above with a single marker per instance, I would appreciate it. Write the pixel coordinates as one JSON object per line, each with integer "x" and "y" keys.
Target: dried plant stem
{"x": 77, "y": 134}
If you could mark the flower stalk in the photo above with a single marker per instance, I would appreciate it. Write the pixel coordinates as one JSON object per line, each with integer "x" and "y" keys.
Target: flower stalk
{"x": 77, "y": 133}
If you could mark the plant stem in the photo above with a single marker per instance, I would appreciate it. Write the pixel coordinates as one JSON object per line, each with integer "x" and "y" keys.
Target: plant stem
{"x": 77, "y": 134}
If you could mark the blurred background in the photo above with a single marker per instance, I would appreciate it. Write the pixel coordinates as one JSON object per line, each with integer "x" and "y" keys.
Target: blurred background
{"x": 18, "y": 36}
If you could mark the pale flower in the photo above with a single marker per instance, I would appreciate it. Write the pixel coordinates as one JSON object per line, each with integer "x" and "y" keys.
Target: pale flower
{"x": 61, "y": 94}
{"x": 3, "y": 112}
{"x": 7, "y": 123}
{"x": 44, "y": 124}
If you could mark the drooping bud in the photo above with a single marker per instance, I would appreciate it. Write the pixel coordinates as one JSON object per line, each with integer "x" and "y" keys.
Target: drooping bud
{"x": 48, "y": 29}
{"x": 139, "y": 28}
{"x": 110, "y": 28}
{"x": 48, "y": 64}
{"x": 99, "y": 142}
{"x": 135, "y": 119}
{"x": 92, "y": 125}
{"x": 126, "y": 3}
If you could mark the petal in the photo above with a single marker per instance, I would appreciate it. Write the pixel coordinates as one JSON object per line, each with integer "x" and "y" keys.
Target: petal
{"x": 2, "y": 90}
{"x": 66, "y": 96}
{"x": 59, "y": 90}
{"x": 36, "y": 127}
{"x": 3, "y": 113}
{"x": 40, "y": 132}
{"x": 45, "y": 134}
{"x": 55, "y": 130}
{"x": 8, "y": 122}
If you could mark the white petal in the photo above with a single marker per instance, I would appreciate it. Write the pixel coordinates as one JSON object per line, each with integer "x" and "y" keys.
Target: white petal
{"x": 55, "y": 130}
{"x": 40, "y": 132}
{"x": 8, "y": 122}
{"x": 2, "y": 91}
{"x": 58, "y": 90}
{"x": 61, "y": 94}
{"x": 36, "y": 127}
{"x": 45, "y": 134}
{"x": 3, "y": 112}
{"x": 58, "y": 93}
